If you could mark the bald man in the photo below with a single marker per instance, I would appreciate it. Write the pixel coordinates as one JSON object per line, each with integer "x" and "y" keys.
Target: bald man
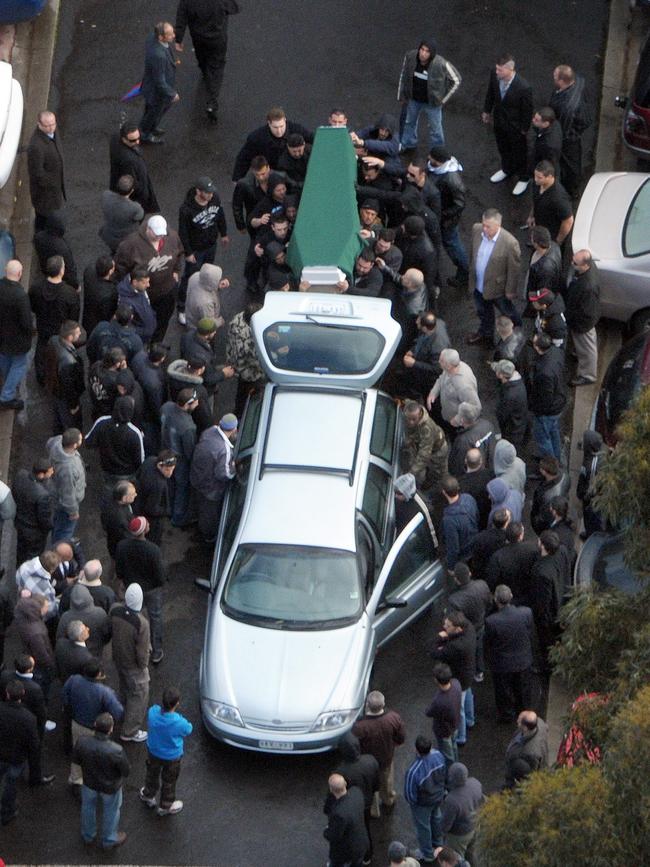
{"x": 45, "y": 168}
{"x": 346, "y": 829}
{"x": 528, "y": 750}
{"x": 15, "y": 334}
{"x": 582, "y": 299}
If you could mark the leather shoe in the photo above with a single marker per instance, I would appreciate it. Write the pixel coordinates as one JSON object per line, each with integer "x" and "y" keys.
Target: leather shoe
{"x": 46, "y": 780}
{"x": 152, "y": 139}
{"x": 582, "y": 380}
{"x": 158, "y": 131}
{"x": 477, "y": 337}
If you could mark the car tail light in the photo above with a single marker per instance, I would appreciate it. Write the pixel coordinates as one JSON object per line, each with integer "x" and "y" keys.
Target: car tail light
{"x": 635, "y": 126}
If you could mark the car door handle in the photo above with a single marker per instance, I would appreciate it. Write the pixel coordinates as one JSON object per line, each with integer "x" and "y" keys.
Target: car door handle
{"x": 431, "y": 583}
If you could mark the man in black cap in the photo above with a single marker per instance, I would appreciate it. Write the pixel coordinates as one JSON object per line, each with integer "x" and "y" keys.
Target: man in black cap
{"x": 201, "y": 221}
{"x": 208, "y": 25}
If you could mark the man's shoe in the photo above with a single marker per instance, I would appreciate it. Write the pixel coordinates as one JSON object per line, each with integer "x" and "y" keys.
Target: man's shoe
{"x": 157, "y": 657}
{"x": 520, "y": 188}
{"x": 479, "y": 677}
{"x": 16, "y": 404}
{"x": 582, "y": 380}
{"x": 212, "y": 113}
{"x": 138, "y": 738}
{"x": 476, "y": 338}
{"x": 499, "y": 176}
{"x": 6, "y": 819}
{"x": 45, "y": 780}
{"x": 50, "y": 725}
{"x": 176, "y": 807}
{"x": 182, "y": 319}
{"x": 158, "y": 131}
{"x": 150, "y": 802}
{"x": 152, "y": 139}
{"x": 121, "y": 838}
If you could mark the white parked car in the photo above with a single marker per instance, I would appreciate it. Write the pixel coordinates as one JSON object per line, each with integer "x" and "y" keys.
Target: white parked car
{"x": 309, "y": 576}
{"x": 11, "y": 120}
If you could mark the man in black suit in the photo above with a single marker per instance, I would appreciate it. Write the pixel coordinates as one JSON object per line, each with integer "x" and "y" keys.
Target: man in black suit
{"x": 509, "y": 653}
{"x": 346, "y": 829}
{"x": 474, "y": 481}
{"x": 33, "y": 699}
{"x": 509, "y": 104}
{"x": 45, "y": 169}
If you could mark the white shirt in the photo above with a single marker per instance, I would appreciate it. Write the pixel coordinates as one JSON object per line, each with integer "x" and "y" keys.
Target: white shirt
{"x": 483, "y": 255}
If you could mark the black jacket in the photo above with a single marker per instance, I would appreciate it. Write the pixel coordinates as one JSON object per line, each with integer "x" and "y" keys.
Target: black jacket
{"x": 64, "y": 375}
{"x": 100, "y": 299}
{"x": 52, "y": 304}
{"x": 139, "y": 561}
{"x": 106, "y": 335}
{"x": 199, "y": 226}
{"x": 361, "y": 770}
{"x": 547, "y": 393}
{"x": 262, "y": 142}
{"x": 129, "y": 161}
{"x": 19, "y": 738}
{"x": 33, "y": 503}
{"x": 50, "y": 242}
{"x": 476, "y": 485}
{"x": 153, "y": 381}
{"x": 512, "y": 411}
{"x": 480, "y": 436}
{"x": 70, "y": 658}
{"x": 154, "y": 491}
{"x": 474, "y": 600}
{"x": 582, "y": 300}
{"x": 459, "y": 652}
{"x": 34, "y": 699}
{"x": 509, "y": 639}
{"x": 45, "y": 168}
{"x": 512, "y": 565}
{"x": 193, "y": 346}
{"x": 248, "y": 193}
{"x": 207, "y": 20}
{"x": 419, "y": 253}
{"x": 514, "y": 112}
{"x": 103, "y": 762}
{"x": 452, "y": 197}
{"x": 552, "y": 321}
{"x": 549, "y": 583}
{"x": 115, "y": 518}
{"x": 485, "y": 544}
{"x": 546, "y": 272}
{"x": 540, "y": 513}
{"x": 120, "y": 442}
{"x": 547, "y": 145}
{"x": 15, "y": 319}
{"x": 346, "y": 829}
{"x": 571, "y": 110}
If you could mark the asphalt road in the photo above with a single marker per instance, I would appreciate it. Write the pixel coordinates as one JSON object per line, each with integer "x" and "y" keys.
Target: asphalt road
{"x": 242, "y": 808}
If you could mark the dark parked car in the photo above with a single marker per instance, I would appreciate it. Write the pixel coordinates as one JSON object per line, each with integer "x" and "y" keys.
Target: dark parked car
{"x": 627, "y": 374}
{"x": 636, "y": 123}
{"x": 13, "y": 11}
{"x": 600, "y": 564}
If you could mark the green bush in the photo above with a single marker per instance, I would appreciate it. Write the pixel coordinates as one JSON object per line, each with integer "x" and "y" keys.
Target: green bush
{"x": 555, "y": 819}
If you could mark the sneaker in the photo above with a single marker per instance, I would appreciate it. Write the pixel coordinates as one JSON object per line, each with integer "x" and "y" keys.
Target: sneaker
{"x": 176, "y": 807}
{"x": 479, "y": 677}
{"x": 50, "y": 725}
{"x": 499, "y": 176}
{"x": 520, "y": 188}
{"x": 157, "y": 657}
{"x": 182, "y": 319}
{"x": 137, "y": 738}
{"x": 121, "y": 838}
{"x": 150, "y": 802}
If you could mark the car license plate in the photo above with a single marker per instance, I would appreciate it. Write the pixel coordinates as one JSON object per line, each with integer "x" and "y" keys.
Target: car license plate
{"x": 276, "y": 745}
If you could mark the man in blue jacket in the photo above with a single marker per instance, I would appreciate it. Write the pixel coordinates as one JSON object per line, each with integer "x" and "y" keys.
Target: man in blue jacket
{"x": 166, "y": 729}
{"x": 459, "y": 522}
{"x": 158, "y": 82}
{"x": 424, "y": 791}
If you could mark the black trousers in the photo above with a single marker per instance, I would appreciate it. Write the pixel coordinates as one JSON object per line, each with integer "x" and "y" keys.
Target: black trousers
{"x": 513, "y": 150}
{"x": 512, "y": 693}
{"x": 162, "y": 774}
{"x": 571, "y": 166}
{"x": 211, "y": 57}
{"x": 164, "y": 307}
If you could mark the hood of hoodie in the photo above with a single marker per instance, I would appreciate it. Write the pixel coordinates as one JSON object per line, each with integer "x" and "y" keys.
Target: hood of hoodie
{"x": 81, "y": 598}
{"x": 56, "y": 451}
{"x": 123, "y": 410}
{"x": 28, "y": 610}
{"x": 592, "y": 443}
{"x": 210, "y": 276}
{"x": 452, "y": 165}
{"x": 504, "y": 456}
{"x": 498, "y": 491}
{"x": 349, "y": 747}
{"x": 430, "y": 43}
{"x": 387, "y": 121}
{"x": 178, "y": 370}
{"x": 457, "y": 775}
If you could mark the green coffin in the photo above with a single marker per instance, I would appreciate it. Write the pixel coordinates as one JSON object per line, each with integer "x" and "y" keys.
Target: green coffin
{"x": 327, "y": 226}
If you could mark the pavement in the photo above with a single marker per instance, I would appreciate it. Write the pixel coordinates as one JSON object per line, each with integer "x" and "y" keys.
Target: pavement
{"x": 33, "y": 50}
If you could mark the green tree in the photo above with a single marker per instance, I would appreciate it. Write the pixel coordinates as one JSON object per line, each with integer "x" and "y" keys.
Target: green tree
{"x": 622, "y": 484}
{"x": 554, "y": 819}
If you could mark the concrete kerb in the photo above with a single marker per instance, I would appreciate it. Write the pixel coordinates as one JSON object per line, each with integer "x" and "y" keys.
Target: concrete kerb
{"x": 32, "y": 54}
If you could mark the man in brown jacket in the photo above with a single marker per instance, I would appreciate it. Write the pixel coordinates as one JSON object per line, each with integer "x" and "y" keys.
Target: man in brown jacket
{"x": 493, "y": 274}
{"x": 379, "y": 732}
{"x": 159, "y": 250}
{"x": 131, "y": 655}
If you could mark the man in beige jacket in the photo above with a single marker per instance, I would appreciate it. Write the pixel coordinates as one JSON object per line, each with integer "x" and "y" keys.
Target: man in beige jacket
{"x": 493, "y": 274}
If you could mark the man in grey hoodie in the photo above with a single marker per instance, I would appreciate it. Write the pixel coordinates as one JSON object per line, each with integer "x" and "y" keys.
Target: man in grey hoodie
{"x": 508, "y": 466}
{"x": 69, "y": 482}
{"x": 460, "y": 808}
{"x": 203, "y": 295}
{"x": 82, "y": 607}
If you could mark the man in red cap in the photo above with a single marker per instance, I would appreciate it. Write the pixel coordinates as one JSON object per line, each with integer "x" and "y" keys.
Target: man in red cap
{"x": 139, "y": 561}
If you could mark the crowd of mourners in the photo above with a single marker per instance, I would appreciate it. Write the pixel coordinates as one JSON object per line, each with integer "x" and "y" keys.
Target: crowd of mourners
{"x": 103, "y": 363}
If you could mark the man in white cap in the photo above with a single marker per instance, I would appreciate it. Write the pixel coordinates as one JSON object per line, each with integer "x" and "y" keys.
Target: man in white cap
{"x": 130, "y": 647}
{"x": 212, "y": 469}
{"x": 158, "y": 248}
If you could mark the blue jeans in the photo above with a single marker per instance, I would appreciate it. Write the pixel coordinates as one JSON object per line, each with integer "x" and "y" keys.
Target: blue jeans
{"x": 485, "y": 312}
{"x": 448, "y": 748}
{"x": 111, "y": 805}
{"x": 546, "y": 433}
{"x": 13, "y": 369}
{"x": 455, "y": 249}
{"x": 182, "y": 511}
{"x": 433, "y": 115}
{"x": 10, "y": 773}
{"x": 467, "y": 719}
{"x": 153, "y": 601}
{"x": 428, "y": 828}
{"x": 63, "y": 526}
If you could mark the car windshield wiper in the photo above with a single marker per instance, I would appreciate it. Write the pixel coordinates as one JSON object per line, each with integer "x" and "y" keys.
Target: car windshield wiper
{"x": 330, "y": 324}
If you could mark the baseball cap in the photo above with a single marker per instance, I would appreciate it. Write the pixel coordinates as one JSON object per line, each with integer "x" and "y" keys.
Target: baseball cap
{"x": 205, "y": 184}
{"x": 541, "y": 295}
{"x": 158, "y": 225}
